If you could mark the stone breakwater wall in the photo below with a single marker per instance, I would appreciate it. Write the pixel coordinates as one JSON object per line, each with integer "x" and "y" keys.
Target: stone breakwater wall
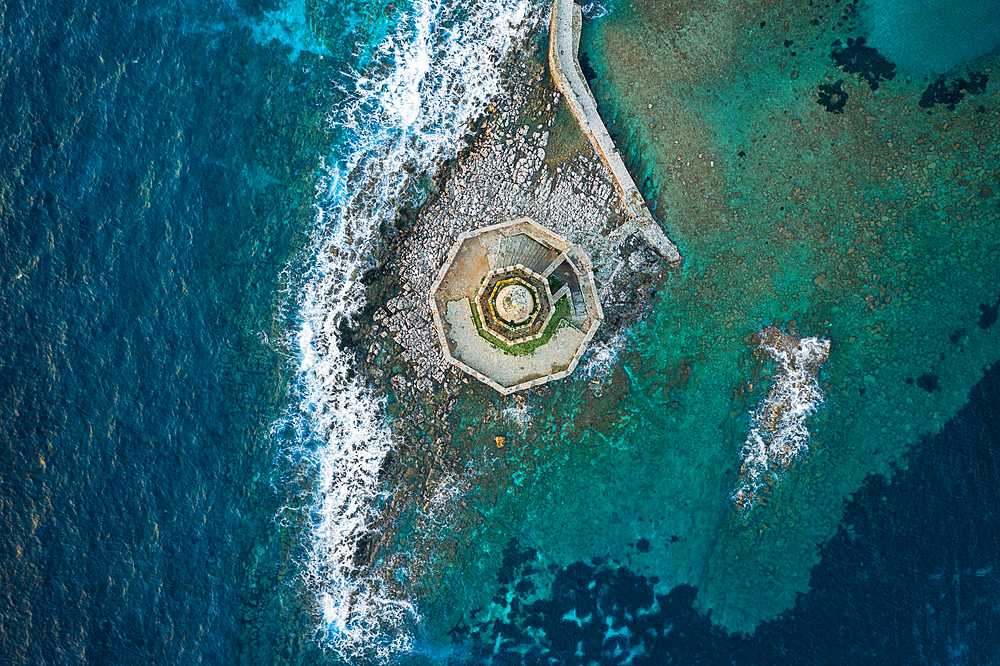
{"x": 564, "y": 43}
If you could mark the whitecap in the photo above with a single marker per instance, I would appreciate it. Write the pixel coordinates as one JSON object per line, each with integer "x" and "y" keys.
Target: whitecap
{"x": 401, "y": 118}
{"x": 778, "y": 434}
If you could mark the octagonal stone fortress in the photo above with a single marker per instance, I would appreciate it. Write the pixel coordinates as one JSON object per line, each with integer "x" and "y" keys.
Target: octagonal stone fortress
{"x": 515, "y": 305}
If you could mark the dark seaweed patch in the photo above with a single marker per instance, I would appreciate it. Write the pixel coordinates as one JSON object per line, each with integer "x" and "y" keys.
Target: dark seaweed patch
{"x": 937, "y": 518}
{"x": 866, "y": 62}
{"x": 524, "y": 588}
{"x": 832, "y": 97}
{"x": 514, "y": 559}
{"x": 642, "y": 545}
{"x": 952, "y": 93}
{"x": 929, "y": 382}
{"x": 989, "y": 314}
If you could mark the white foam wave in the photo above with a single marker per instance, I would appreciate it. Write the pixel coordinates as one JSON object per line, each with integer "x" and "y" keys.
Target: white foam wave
{"x": 594, "y": 10}
{"x": 778, "y": 433}
{"x": 519, "y": 414}
{"x": 600, "y": 360}
{"x": 602, "y": 357}
{"x": 432, "y": 76}
{"x": 446, "y": 489}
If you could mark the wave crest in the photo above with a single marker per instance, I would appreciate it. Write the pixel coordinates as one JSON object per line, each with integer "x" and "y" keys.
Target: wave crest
{"x": 430, "y": 78}
{"x": 778, "y": 434}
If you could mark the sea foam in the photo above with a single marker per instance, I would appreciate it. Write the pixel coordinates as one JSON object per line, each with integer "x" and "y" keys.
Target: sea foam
{"x": 402, "y": 116}
{"x": 778, "y": 433}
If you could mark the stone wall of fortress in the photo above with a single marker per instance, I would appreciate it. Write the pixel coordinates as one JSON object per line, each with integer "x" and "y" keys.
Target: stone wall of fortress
{"x": 564, "y": 43}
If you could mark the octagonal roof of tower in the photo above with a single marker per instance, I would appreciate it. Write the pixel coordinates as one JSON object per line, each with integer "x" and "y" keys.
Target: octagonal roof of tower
{"x": 558, "y": 307}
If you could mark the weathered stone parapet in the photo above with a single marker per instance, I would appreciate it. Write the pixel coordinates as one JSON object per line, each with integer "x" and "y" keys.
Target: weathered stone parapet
{"x": 564, "y": 43}
{"x": 476, "y": 339}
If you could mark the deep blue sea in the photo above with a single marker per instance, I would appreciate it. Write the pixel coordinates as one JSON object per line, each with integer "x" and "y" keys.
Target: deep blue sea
{"x": 155, "y": 170}
{"x": 187, "y": 194}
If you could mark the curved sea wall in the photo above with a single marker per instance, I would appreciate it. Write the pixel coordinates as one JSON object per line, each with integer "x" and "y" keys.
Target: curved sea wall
{"x": 564, "y": 42}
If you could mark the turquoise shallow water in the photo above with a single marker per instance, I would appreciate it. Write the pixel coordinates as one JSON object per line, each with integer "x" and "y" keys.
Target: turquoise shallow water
{"x": 170, "y": 175}
{"x": 870, "y": 225}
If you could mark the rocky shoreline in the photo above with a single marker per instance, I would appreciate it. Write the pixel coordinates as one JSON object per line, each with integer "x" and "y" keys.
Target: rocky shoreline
{"x": 528, "y": 157}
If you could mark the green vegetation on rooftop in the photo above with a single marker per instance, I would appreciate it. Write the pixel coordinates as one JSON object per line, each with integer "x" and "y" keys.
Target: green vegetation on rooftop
{"x": 561, "y": 312}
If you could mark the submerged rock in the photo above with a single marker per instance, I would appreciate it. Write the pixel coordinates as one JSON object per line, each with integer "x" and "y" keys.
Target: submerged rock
{"x": 950, "y": 94}
{"x": 856, "y": 57}
{"x": 832, "y": 97}
{"x": 778, "y": 433}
